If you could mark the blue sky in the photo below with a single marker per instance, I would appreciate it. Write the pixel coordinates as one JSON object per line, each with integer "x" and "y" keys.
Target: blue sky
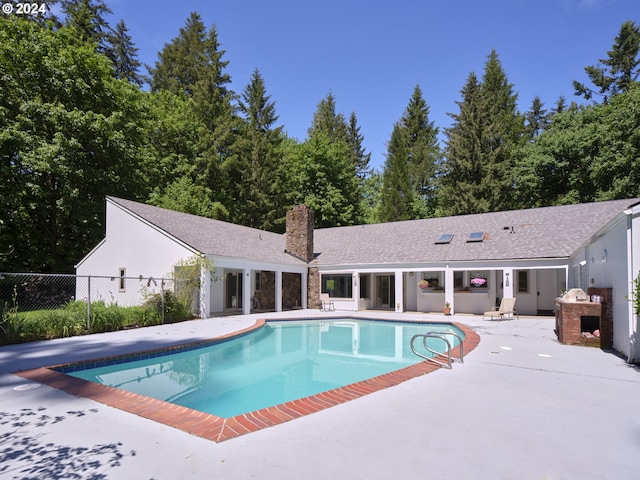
{"x": 372, "y": 53}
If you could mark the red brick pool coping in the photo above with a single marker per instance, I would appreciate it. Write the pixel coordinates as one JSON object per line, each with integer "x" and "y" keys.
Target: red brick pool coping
{"x": 217, "y": 428}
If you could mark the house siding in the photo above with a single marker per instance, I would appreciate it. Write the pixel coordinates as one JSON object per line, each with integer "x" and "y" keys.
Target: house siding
{"x": 139, "y": 248}
{"x": 606, "y": 260}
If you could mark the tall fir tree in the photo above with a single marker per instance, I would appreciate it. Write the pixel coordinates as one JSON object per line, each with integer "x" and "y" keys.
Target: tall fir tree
{"x": 123, "y": 55}
{"x": 328, "y": 121}
{"x": 181, "y": 62}
{"x": 257, "y": 191}
{"x": 503, "y": 131}
{"x": 360, "y": 156}
{"x": 560, "y": 105}
{"x": 619, "y": 71}
{"x": 424, "y": 153}
{"x": 397, "y": 195}
{"x": 192, "y": 65}
{"x": 87, "y": 18}
{"x": 460, "y": 191}
{"x": 481, "y": 144}
{"x": 537, "y": 119}
{"x": 330, "y": 126}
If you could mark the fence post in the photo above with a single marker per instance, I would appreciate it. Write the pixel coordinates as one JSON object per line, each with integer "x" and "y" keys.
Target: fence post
{"x": 89, "y": 303}
{"x": 162, "y": 297}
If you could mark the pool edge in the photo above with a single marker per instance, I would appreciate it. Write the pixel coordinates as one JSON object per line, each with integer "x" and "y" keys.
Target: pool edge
{"x": 218, "y": 429}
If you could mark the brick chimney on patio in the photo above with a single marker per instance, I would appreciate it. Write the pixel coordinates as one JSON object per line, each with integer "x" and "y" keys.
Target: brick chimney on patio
{"x": 299, "y": 233}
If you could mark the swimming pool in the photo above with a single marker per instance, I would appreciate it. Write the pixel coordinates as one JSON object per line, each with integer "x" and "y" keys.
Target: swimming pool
{"x": 278, "y": 363}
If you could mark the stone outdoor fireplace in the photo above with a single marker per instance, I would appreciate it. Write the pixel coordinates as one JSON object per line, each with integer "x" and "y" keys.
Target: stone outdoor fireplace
{"x": 581, "y": 321}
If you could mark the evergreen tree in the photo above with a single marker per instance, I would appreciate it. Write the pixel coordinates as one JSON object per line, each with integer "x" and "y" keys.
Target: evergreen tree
{"x": 255, "y": 165}
{"x": 461, "y": 191}
{"x": 86, "y": 17}
{"x": 173, "y": 134}
{"x": 327, "y": 121}
{"x": 619, "y": 71}
{"x": 536, "y": 118}
{"x": 371, "y": 196}
{"x": 355, "y": 139}
{"x": 330, "y": 126}
{"x": 182, "y": 63}
{"x": 481, "y": 144}
{"x": 503, "y": 131}
{"x": 561, "y": 105}
{"x": 192, "y": 65}
{"x": 397, "y": 195}
{"x": 424, "y": 153}
{"x": 123, "y": 55}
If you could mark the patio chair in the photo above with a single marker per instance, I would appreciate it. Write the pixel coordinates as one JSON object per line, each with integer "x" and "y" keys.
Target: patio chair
{"x": 327, "y": 303}
{"x": 505, "y": 310}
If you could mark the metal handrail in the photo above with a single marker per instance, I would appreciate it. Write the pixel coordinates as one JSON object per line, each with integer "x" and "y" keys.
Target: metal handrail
{"x": 442, "y": 337}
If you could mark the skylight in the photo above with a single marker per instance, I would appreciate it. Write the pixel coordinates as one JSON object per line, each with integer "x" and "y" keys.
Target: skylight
{"x": 475, "y": 237}
{"x": 444, "y": 238}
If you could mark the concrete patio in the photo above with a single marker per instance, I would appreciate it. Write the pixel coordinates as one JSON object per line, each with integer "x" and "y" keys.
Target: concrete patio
{"x": 522, "y": 406}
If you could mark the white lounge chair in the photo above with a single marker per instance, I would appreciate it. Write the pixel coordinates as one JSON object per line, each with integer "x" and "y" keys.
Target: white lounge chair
{"x": 505, "y": 310}
{"x": 327, "y": 303}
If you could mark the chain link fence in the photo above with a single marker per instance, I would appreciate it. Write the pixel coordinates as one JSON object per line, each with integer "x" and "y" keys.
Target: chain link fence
{"x": 39, "y": 306}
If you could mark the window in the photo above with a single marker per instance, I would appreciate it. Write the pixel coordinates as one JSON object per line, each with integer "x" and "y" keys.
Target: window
{"x": 523, "y": 281}
{"x": 475, "y": 237}
{"x": 258, "y": 281}
{"x": 337, "y": 286}
{"x": 479, "y": 279}
{"x": 122, "y": 280}
{"x": 364, "y": 286}
{"x": 434, "y": 280}
{"x": 444, "y": 238}
{"x": 458, "y": 279}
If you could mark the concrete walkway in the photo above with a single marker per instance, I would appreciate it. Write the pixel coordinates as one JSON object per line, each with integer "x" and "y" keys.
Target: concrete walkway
{"x": 522, "y": 406}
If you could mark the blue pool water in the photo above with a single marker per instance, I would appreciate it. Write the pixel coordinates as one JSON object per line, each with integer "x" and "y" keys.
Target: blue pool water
{"x": 280, "y": 362}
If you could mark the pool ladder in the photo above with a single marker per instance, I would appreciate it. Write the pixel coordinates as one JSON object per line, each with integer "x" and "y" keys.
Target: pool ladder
{"x": 443, "y": 337}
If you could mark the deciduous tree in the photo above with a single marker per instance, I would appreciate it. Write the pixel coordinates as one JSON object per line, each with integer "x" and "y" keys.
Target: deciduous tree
{"x": 71, "y": 134}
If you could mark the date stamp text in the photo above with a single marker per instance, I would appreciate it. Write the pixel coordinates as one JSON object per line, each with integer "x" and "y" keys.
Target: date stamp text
{"x": 24, "y": 8}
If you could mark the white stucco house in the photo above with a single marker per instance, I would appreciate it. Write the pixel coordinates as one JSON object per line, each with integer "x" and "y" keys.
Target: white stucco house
{"x": 468, "y": 261}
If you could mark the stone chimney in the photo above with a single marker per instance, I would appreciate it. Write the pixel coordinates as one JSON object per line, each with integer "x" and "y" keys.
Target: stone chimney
{"x": 299, "y": 234}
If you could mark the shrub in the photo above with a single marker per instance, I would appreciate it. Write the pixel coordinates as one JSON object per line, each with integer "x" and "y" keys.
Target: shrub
{"x": 21, "y": 327}
{"x": 174, "y": 309}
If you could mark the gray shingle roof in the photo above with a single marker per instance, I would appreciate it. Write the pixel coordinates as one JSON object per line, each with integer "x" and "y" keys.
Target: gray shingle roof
{"x": 548, "y": 232}
{"x": 214, "y": 236}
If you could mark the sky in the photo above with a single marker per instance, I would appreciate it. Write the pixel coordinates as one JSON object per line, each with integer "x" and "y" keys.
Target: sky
{"x": 371, "y": 54}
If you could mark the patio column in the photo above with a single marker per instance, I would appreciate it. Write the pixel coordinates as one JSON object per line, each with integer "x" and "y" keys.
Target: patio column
{"x": 449, "y": 288}
{"x": 356, "y": 290}
{"x": 246, "y": 291}
{"x": 205, "y": 293}
{"x": 399, "y": 288}
{"x": 507, "y": 281}
{"x": 304, "y": 285}
{"x": 278, "y": 290}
